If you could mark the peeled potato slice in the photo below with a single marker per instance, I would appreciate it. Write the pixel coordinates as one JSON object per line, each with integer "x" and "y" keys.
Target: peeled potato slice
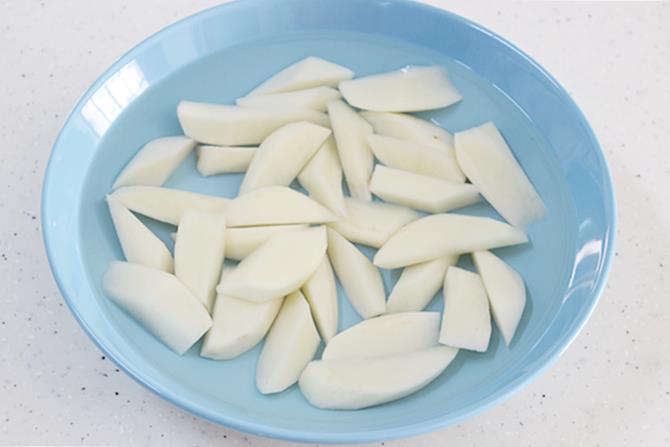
{"x": 238, "y": 325}
{"x": 138, "y": 243}
{"x": 214, "y": 160}
{"x": 321, "y": 294}
{"x": 466, "y": 321}
{"x": 278, "y": 267}
{"x": 306, "y": 73}
{"x": 199, "y": 253}
{"x": 361, "y": 280}
{"x": 159, "y": 301}
{"x": 166, "y": 204}
{"x": 410, "y": 128}
{"x": 421, "y": 192}
{"x": 240, "y": 242}
{"x": 418, "y": 284}
{"x": 283, "y": 154}
{"x": 410, "y": 89}
{"x": 417, "y": 158}
{"x": 154, "y": 163}
{"x": 224, "y": 125}
{"x": 322, "y": 178}
{"x": 316, "y": 98}
{"x": 350, "y": 384}
{"x": 488, "y": 162}
{"x": 275, "y": 205}
{"x": 505, "y": 289}
{"x": 440, "y": 235}
{"x": 372, "y": 223}
{"x": 289, "y": 347}
{"x": 351, "y": 131}
{"x": 387, "y": 335}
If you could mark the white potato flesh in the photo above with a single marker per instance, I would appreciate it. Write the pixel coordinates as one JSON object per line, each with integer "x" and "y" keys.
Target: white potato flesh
{"x": 316, "y": 98}
{"x": 488, "y": 162}
{"x": 225, "y": 125}
{"x": 410, "y": 128}
{"x": 351, "y": 131}
{"x": 240, "y": 242}
{"x": 275, "y": 205}
{"x": 372, "y": 223}
{"x": 386, "y": 335}
{"x": 306, "y": 73}
{"x": 440, "y": 235}
{"x": 361, "y": 280}
{"x": 166, "y": 204}
{"x": 289, "y": 346}
{"x": 158, "y": 301}
{"x": 321, "y": 294}
{"x": 278, "y": 267}
{"x": 418, "y": 284}
{"x": 213, "y": 160}
{"x": 351, "y": 384}
{"x": 322, "y": 178}
{"x": 199, "y": 253}
{"x": 421, "y": 192}
{"x": 283, "y": 154}
{"x": 466, "y": 320}
{"x": 417, "y": 158}
{"x": 138, "y": 243}
{"x": 155, "y": 161}
{"x": 410, "y": 89}
{"x": 238, "y": 325}
{"x": 505, "y": 289}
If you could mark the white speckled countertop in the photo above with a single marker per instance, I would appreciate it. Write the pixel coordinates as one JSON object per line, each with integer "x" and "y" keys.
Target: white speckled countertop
{"x": 612, "y": 386}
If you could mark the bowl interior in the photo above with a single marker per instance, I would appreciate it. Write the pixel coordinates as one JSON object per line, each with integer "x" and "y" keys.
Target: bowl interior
{"x": 212, "y": 57}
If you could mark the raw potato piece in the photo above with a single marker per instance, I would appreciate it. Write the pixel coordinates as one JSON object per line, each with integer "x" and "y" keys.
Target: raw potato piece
{"x": 306, "y": 73}
{"x": 240, "y": 242}
{"x": 238, "y": 325}
{"x": 289, "y": 347}
{"x": 410, "y": 128}
{"x": 384, "y": 336}
{"x": 488, "y": 162}
{"x": 361, "y": 280}
{"x": 466, "y": 321}
{"x": 350, "y": 384}
{"x": 214, "y": 160}
{"x": 421, "y": 192}
{"x": 166, "y": 204}
{"x": 418, "y": 284}
{"x": 138, "y": 243}
{"x": 283, "y": 154}
{"x": 278, "y": 267}
{"x": 316, "y": 98}
{"x": 322, "y": 178}
{"x": 410, "y": 89}
{"x": 321, "y": 293}
{"x": 440, "y": 235}
{"x": 159, "y": 301}
{"x": 275, "y": 205}
{"x": 505, "y": 289}
{"x": 224, "y": 125}
{"x": 351, "y": 131}
{"x": 372, "y": 223}
{"x": 199, "y": 253}
{"x": 417, "y": 158}
{"x": 154, "y": 163}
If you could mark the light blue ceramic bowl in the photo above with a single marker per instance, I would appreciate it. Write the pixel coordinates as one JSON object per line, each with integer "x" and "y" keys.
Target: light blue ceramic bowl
{"x": 222, "y": 53}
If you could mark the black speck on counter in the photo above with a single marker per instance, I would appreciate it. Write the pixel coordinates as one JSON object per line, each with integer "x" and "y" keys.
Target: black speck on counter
{"x": 83, "y": 388}
{"x": 116, "y": 393}
{"x": 103, "y": 357}
{"x": 543, "y": 396}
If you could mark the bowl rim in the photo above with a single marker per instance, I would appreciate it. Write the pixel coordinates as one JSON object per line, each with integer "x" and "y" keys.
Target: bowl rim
{"x": 428, "y": 425}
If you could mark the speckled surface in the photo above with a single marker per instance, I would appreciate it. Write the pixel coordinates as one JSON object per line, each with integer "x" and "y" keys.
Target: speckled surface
{"x": 612, "y": 386}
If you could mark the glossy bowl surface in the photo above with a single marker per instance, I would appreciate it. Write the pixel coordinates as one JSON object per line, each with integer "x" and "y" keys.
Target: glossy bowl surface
{"x": 221, "y": 54}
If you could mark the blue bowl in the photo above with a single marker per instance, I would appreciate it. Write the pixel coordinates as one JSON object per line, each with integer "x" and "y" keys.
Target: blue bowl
{"x": 222, "y": 53}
